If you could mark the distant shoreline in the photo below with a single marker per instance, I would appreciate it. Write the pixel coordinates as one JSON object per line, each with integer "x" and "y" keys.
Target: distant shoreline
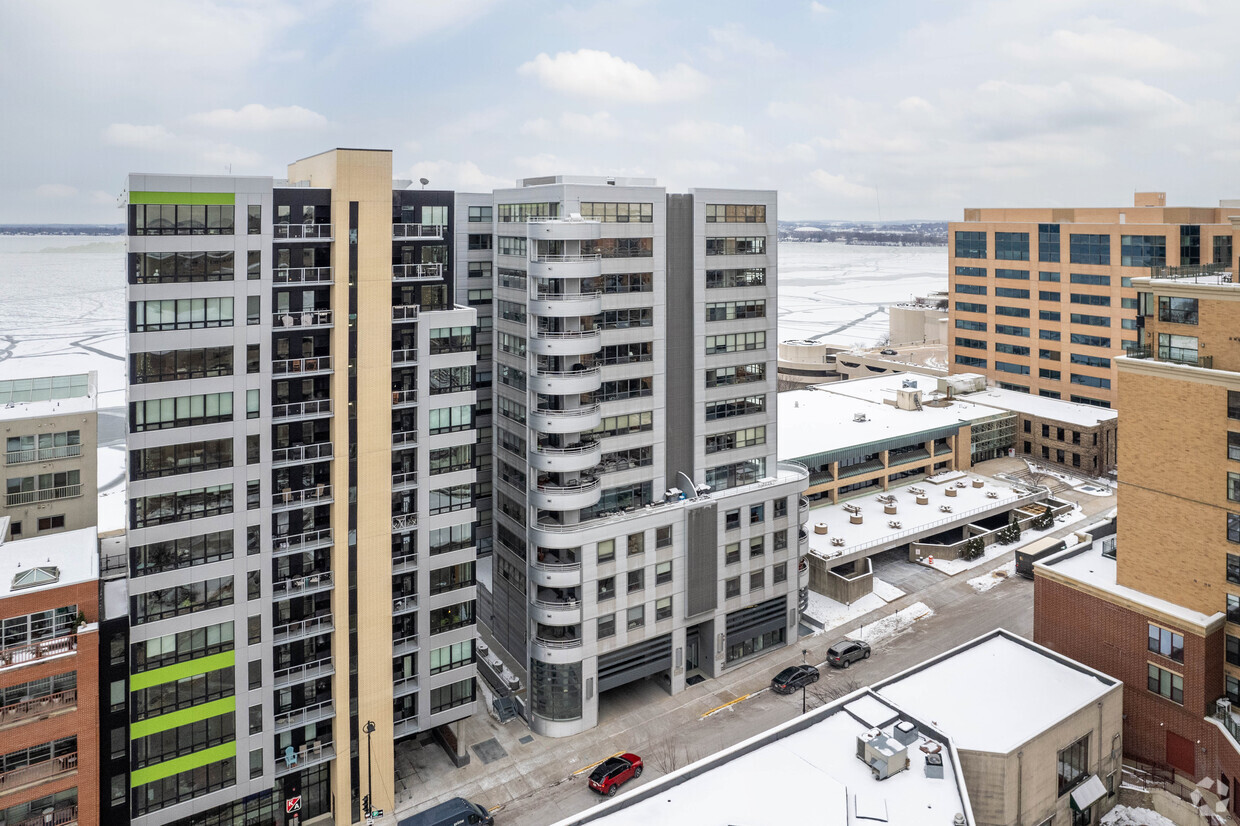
{"x": 62, "y": 229}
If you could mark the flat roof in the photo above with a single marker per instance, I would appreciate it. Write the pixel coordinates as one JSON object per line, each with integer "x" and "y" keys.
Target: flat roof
{"x": 74, "y": 555}
{"x": 821, "y": 419}
{"x": 1015, "y": 690}
{"x": 28, "y": 391}
{"x": 809, "y": 764}
{"x": 1085, "y": 415}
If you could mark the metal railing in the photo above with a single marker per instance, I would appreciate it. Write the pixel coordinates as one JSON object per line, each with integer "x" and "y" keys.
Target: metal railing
{"x": 553, "y": 605}
{"x": 564, "y": 335}
{"x": 400, "y": 397}
{"x": 405, "y": 312}
{"x": 293, "y": 498}
{"x": 37, "y": 706}
{"x": 310, "y": 364}
{"x": 42, "y": 454}
{"x": 308, "y": 318}
{"x": 308, "y": 714}
{"x": 565, "y": 259}
{"x": 38, "y": 771}
{"x": 417, "y": 272}
{"x": 302, "y": 584}
{"x": 313, "y": 625}
{"x": 59, "y": 817}
{"x": 302, "y": 453}
{"x": 409, "y": 356}
{"x": 405, "y": 604}
{"x": 567, "y": 374}
{"x": 316, "y": 407}
{"x": 1212, "y": 272}
{"x": 23, "y": 654}
{"x": 25, "y": 497}
{"x": 401, "y": 481}
{"x": 306, "y": 671}
{"x": 554, "y": 567}
{"x": 113, "y": 563}
{"x": 404, "y": 437}
{"x": 545, "y": 643}
{"x": 572, "y": 450}
{"x": 403, "y": 563}
{"x": 1170, "y": 355}
{"x": 406, "y": 685}
{"x": 583, "y": 410}
{"x": 404, "y": 645}
{"x": 404, "y": 522}
{"x": 566, "y": 296}
{"x": 298, "y": 542}
{"x": 302, "y": 275}
{"x": 418, "y": 230}
{"x": 301, "y": 232}
{"x": 569, "y": 487}
{"x": 315, "y": 752}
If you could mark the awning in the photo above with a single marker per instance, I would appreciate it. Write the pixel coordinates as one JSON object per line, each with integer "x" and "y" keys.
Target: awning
{"x": 1087, "y": 793}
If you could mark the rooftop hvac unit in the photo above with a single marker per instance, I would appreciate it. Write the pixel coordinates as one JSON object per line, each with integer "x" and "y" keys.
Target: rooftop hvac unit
{"x": 859, "y": 417}
{"x": 906, "y": 732}
{"x": 910, "y": 383}
{"x": 882, "y": 753}
{"x": 934, "y": 766}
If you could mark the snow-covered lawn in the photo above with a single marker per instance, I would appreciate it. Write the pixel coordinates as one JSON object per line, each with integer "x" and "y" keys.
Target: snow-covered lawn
{"x": 951, "y": 567}
{"x": 889, "y": 626}
{"x": 985, "y": 582}
{"x": 831, "y": 613}
{"x": 1132, "y": 816}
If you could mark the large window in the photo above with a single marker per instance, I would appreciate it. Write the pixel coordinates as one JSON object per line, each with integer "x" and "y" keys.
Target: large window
{"x": 1177, "y": 310}
{"x": 1072, "y": 765}
{"x": 181, "y": 552}
{"x": 171, "y": 460}
{"x": 733, "y": 342}
{"x": 731, "y": 310}
{"x": 1165, "y": 683}
{"x": 184, "y": 219}
{"x": 619, "y": 247}
{"x": 1012, "y": 246}
{"x": 451, "y": 379}
{"x": 970, "y": 244}
{"x": 180, "y": 314}
{"x": 748, "y": 245}
{"x": 450, "y": 419}
{"x": 741, "y": 374}
{"x": 729, "y": 408}
{"x": 180, "y": 506}
{"x": 1090, "y": 249}
{"x": 617, "y": 213}
{"x": 455, "y": 498}
{"x": 179, "y": 267}
{"x": 1166, "y": 643}
{"x": 750, "y": 277}
{"x": 1143, "y": 250}
{"x": 626, "y": 318}
{"x": 1177, "y": 348}
{"x": 177, "y": 600}
{"x": 479, "y": 214}
{"x": 735, "y": 213}
{"x": 175, "y": 365}
{"x": 1048, "y": 242}
{"x": 452, "y": 656}
{"x": 510, "y": 213}
{"x": 555, "y": 690}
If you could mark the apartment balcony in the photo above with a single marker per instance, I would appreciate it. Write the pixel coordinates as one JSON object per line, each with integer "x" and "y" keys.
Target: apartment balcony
{"x": 304, "y": 757}
{"x": 302, "y": 629}
{"x": 405, "y": 563}
{"x": 566, "y": 382}
{"x": 1171, "y": 355}
{"x": 301, "y": 232}
{"x": 405, "y": 645}
{"x": 409, "y": 356}
{"x": 551, "y": 575}
{"x": 302, "y": 411}
{"x": 296, "y": 543}
{"x": 404, "y": 605}
{"x": 574, "y": 494}
{"x": 320, "y": 319}
{"x": 571, "y": 420}
{"x": 566, "y": 305}
{"x": 803, "y": 573}
{"x": 302, "y": 275}
{"x": 38, "y": 651}
{"x": 406, "y": 727}
{"x": 564, "y": 229}
{"x": 26, "y": 497}
{"x": 404, "y": 398}
{"x": 300, "y": 454}
{"x": 565, "y": 342}
{"x": 424, "y": 231}
{"x": 802, "y": 541}
{"x": 306, "y": 671}
{"x": 405, "y": 273}
{"x": 404, "y": 481}
{"x": 562, "y": 612}
{"x": 25, "y": 776}
{"x": 582, "y": 455}
{"x": 306, "y": 497}
{"x": 290, "y": 720}
{"x": 556, "y": 650}
{"x": 58, "y": 817}
{"x": 312, "y": 366}
{"x": 565, "y": 266}
{"x": 404, "y": 438}
{"x": 402, "y": 313}
{"x": 405, "y": 686}
{"x": 302, "y": 585}
{"x": 404, "y": 522}
{"x": 802, "y": 506}
{"x": 38, "y": 708}
{"x": 43, "y": 454}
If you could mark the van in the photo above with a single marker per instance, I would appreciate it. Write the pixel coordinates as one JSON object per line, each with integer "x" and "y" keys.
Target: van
{"x": 455, "y": 812}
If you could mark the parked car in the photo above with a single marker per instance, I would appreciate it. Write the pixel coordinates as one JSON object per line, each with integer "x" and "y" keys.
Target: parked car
{"x": 455, "y": 812}
{"x": 793, "y": 677}
{"x": 846, "y": 652}
{"x": 613, "y": 772}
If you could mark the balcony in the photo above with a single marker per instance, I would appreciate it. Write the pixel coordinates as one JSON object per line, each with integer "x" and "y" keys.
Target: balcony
{"x": 582, "y": 455}
{"x": 404, "y": 605}
{"x": 565, "y": 266}
{"x": 803, "y": 541}
{"x": 404, "y": 645}
{"x": 1171, "y": 355}
{"x": 417, "y": 272}
{"x": 566, "y": 382}
{"x": 301, "y": 232}
{"x": 564, "y": 229}
{"x": 289, "y": 499}
{"x": 26, "y": 497}
{"x": 303, "y": 716}
{"x": 404, "y": 522}
{"x": 58, "y": 817}
{"x": 43, "y": 454}
{"x": 313, "y": 366}
{"x": 556, "y": 650}
{"x": 37, "y": 772}
{"x": 404, "y": 686}
{"x": 404, "y": 438}
{"x": 302, "y": 320}
{"x": 565, "y": 342}
{"x": 36, "y": 651}
{"x": 566, "y": 305}
{"x": 301, "y": 411}
{"x": 405, "y": 727}
{"x": 299, "y": 454}
{"x": 404, "y": 398}
{"x": 304, "y": 672}
{"x": 557, "y": 612}
{"x": 570, "y": 420}
{"x": 552, "y": 575}
{"x": 404, "y": 563}
{"x": 404, "y": 481}
{"x": 428, "y": 231}
{"x": 572, "y": 495}
{"x": 802, "y": 506}
{"x": 305, "y": 756}
{"x": 38, "y": 708}
{"x": 301, "y": 629}
{"x": 302, "y": 585}
{"x": 803, "y": 573}
{"x": 409, "y": 356}
{"x": 297, "y": 543}
{"x": 302, "y": 275}
{"x": 404, "y": 312}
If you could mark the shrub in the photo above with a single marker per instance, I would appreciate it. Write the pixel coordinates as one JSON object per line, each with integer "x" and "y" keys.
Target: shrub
{"x": 1009, "y": 534}
{"x": 1043, "y": 521}
{"x": 972, "y": 549}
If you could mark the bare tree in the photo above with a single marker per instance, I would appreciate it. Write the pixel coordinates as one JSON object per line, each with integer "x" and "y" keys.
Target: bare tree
{"x": 667, "y": 755}
{"x": 826, "y": 692}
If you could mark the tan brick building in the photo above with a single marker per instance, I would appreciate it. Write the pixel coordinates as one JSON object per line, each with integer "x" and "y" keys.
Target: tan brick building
{"x": 1042, "y": 299}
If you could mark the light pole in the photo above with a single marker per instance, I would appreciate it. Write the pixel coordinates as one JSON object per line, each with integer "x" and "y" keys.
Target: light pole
{"x": 804, "y": 654}
{"x": 369, "y": 729}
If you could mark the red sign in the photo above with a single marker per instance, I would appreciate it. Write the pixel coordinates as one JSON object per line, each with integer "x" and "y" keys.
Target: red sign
{"x": 293, "y": 804}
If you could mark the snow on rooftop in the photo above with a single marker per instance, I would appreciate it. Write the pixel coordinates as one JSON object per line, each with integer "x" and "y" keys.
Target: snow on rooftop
{"x": 75, "y": 555}
{"x": 1086, "y": 415}
{"x": 1005, "y": 683}
{"x": 813, "y": 770}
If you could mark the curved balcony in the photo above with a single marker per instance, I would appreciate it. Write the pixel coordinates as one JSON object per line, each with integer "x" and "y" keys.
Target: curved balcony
{"x": 572, "y": 495}
{"x": 581, "y": 456}
{"x": 803, "y": 506}
{"x": 566, "y": 266}
{"x": 803, "y": 541}
{"x": 566, "y": 382}
{"x": 564, "y": 650}
{"x": 803, "y": 573}
{"x": 566, "y": 343}
{"x": 566, "y": 305}
{"x": 560, "y": 229}
{"x": 555, "y": 576}
{"x": 556, "y": 613}
{"x": 573, "y": 420}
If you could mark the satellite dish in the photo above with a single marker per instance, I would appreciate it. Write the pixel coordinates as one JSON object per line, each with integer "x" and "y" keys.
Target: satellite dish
{"x": 424, "y": 182}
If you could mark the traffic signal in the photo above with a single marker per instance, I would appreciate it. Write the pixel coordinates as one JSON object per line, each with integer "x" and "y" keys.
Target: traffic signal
{"x": 365, "y": 804}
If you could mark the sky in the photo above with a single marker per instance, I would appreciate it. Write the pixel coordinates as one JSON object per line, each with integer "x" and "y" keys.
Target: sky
{"x": 879, "y": 110}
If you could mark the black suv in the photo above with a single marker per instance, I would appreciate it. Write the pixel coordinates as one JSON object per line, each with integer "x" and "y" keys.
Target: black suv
{"x": 846, "y": 652}
{"x": 793, "y": 677}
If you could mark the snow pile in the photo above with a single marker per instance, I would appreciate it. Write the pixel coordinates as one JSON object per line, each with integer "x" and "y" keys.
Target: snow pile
{"x": 1131, "y": 816}
{"x": 985, "y": 582}
{"x": 830, "y": 613}
{"x": 892, "y": 625}
{"x": 886, "y": 591}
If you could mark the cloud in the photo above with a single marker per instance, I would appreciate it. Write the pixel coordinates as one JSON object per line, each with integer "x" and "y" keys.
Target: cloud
{"x": 137, "y": 136}
{"x": 1100, "y": 43}
{"x": 819, "y": 8}
{"x": 599, "y": 126}
{"x": 403, "y": 21}
{"x": 462, "y": 176}
{"x": 156, "y": 138}
{"x": 597, "y": 74}
{"x": 255, "y": 117}
{"x": 840, "y": 187}
{"x": 56, "y": 191}
{"x": 734, "y": 38}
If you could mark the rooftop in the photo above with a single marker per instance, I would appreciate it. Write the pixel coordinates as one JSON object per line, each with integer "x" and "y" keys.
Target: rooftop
{"x": 999, "y": 674}
{"x": 73, "y": 556}
{"x": 30, "y": 396}
{"x": 809, "y": 764}
{"x": 1085, "y": 415}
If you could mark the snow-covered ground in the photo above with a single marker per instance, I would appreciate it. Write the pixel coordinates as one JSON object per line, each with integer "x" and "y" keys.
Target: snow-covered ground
{"x": 832, "y": 614}
{"x": 951, "y": 567}
{"x": 986, "y": 581}
{"x": 1132, "y": 816}
{"x": 111, "y": 489}
{"x": 889, "y": 626}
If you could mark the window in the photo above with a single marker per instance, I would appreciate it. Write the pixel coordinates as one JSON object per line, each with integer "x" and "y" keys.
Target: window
{"x": 971, "y": 272}
{"x": 451, "y": 379}
{"x": 732, "y": 213}
{"x": 456, "y": 694}
{"x": 1177, "y": 310}
{"x": 185, "y": 219}
{"x": 180, "y": 411}
{"x": 1144, "y": 250}
{"x": 1092, "y": 300}
{"x": 970, "y": 307}
{"x": 735, "y": 342}
{"x": 780, "y": 573}
{"x": 1091, "y": 320}
{"x": 746, "y": 245}
{"x": 662, "y": 608}
{"x": 1010, "y": 330}
{"x": 1048, "y": 315}
{"x": 1233, "y": 487}
{"x": 1017, "y": 275}
{"x": 1089, "y": 249}
{"x": 619, "y": 247}
{"x": 1049, "y": 335}
{"x": 1013, "y": 312}
{"x": 779, "y": 508}
{"x": 1233, "y": 650}
{"x": 1011, "y": 349}
{"x": 1222, "y": 250}
{"x": 180, "y": 506}
{"x": 1096, "y": 280}
{"x": 606, "y": 550}
{"x": 1233, "y": 404}
{"x": 637, "y": 543}
{"x": 965, "y": 324}
{"x": 1012, "y": 246}
{"x": 635, "y": 617}
{"x": 1048, "y": 276}
{"x": 971, "y": 289}
{"x": 757, "y": 581}
{"x": 452, "y": 656}
{"x": 747, "y": 277}
{"x": 733, "y": 310}
{"x": 606, "y": 588}
{"x": 479, "y": 214}
{"x": 626, "y": 319}
{"x": 730, "y": 408}
{"x": 479, "y": 241}
{"x": 1048, "y": 242}
{"x": 1165, "y": 683}
{"x": 511, "y": 245}
{"x": 1046, "y": 295}
{"x": 970, "y": 244}
{"x": 1009, "y": 367}
{"x": 606, "y": 626}
{"x": 757, "y": 513}
{"x": 1090, "y": 361}
{"x": 1167, "y": 643}
{"x": 970, "y": 361}
{"x": 628, "y": 282}
{"x": 175, "y": 365}
{"x": 1051, "y": 375}
{"x": 663, "y": 573}
{"x": 48, "y": 523}
{"x": 663, "y": 537}
{"x": 617, "y": 213}
{"x": 189, "y": 598}
{"x": 1073, "y": 763}
{"x": 1177, "y": 348}
{"x": 732, "y": 587}
{"x": 180, "y": 314}
{"x": 450, "y": 419}
{"x": 636, "y": 581}
{"x": 1233, "y": 533}
{"x": 1090, "y": 341}
{"x": 179, "y": 267}
{"x": 454, "y": 498}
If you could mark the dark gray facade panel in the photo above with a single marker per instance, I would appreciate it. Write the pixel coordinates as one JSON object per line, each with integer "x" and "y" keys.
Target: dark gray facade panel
{"x": 681, "y": 320}
{"x": 617, "y": 668}
{"x": 701, "y": 559}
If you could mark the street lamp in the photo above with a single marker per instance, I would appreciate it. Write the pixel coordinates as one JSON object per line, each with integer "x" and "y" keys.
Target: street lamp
{"x": 804, "y": 654}
{"x": 369, "y": 729}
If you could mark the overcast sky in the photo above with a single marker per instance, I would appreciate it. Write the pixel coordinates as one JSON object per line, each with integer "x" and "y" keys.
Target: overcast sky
{"x": 857, "y": 110}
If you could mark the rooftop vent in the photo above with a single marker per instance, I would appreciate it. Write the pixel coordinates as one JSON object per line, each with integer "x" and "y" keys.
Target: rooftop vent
{"x": 934, "y": 766}
{"x": 860, "y": 417}
{"x": 906, "y": 732}
{"x": 882, "y": 753}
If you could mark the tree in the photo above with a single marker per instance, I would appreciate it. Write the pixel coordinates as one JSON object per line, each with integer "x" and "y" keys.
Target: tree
{"x": 1042, "y": 521}
{"x": 667, "y": 755}
{"x": 828, "y": 691}
{"x": 973, "y": 548}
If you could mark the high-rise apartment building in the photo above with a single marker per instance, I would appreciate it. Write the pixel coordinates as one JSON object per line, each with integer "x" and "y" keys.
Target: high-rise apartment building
{"x": 642, "y": 525}
{"x": 301, "y": 491}
{"x": 1042, "y": 299}
{"x": 50, "y": 429}
{"x": 1160, "y": 607}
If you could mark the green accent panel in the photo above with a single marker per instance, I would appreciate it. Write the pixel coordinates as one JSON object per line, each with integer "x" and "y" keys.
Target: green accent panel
{"x": 183, "y": 717}
{"x": 181, "y": 764}
{"x": 182, "y": 198}
{"x": 177, "y": 671}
